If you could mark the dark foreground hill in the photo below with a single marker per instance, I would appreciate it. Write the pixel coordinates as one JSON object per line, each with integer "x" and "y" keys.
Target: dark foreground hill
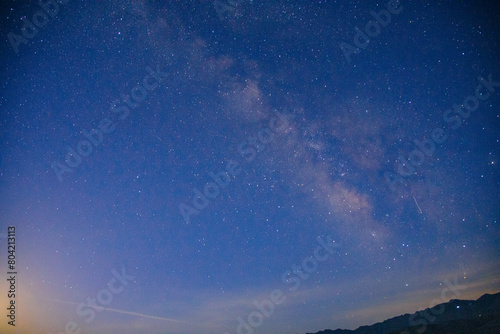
{"x": 481, "y": 316}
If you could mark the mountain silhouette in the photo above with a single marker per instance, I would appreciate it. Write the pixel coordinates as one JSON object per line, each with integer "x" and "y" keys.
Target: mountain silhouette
{"x": 481, "y": 316}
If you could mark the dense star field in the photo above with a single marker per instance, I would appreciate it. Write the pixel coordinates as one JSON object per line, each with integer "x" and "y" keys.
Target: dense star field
{"x": 245, "y": 166}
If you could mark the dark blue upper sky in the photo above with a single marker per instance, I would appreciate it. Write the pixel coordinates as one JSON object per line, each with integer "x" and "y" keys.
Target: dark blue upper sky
{"x": 267, "y": 166}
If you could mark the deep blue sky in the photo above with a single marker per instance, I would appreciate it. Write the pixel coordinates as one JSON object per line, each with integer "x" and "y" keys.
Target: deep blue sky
{"x": 317, "y": 141}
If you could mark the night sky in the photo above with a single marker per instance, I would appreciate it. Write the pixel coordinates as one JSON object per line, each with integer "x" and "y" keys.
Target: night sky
{"x": 246, "y": 166}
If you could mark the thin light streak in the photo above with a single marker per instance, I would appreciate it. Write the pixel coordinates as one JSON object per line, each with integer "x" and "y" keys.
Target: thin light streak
{"x": 418, "y": 206}
{"x": 120, "y": 311}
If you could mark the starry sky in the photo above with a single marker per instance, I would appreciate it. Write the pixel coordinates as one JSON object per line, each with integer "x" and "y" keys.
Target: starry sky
{"x": 246, "y": 166}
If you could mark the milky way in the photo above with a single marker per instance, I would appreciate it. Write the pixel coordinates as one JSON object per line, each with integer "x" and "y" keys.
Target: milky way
{"x": 246, "y": 166}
